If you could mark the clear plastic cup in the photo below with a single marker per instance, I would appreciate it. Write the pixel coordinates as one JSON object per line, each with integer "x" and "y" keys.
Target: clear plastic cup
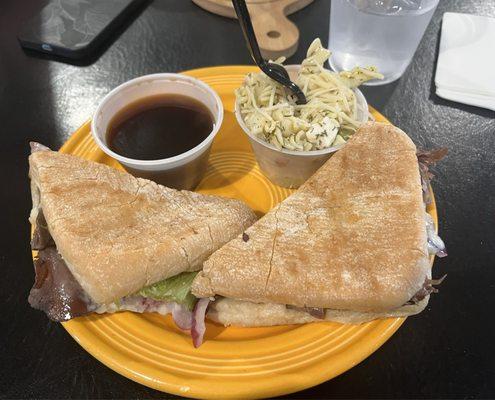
{"x": 380, "y": 33}
{"x": 289, "y": 168}
{"x": 183, "y": 171}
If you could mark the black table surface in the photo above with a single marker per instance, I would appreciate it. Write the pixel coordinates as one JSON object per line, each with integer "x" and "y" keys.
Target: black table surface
{"x": 447, "y": 351}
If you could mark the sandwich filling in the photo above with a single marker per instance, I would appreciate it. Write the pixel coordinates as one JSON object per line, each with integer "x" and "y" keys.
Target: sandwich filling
{"x": 425, "y": 160}
{"x": 57, "y": 292}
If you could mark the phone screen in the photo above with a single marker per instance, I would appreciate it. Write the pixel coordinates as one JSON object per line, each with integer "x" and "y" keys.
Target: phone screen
{"x": 71, "y": 28}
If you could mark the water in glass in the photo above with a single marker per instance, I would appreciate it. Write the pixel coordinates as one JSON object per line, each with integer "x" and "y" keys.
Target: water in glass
{"x": 380, "y": 33}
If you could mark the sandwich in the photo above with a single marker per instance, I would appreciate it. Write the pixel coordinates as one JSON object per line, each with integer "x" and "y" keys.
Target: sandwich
{"x": 353, "y": 244}
{"x": 107, "y": 241}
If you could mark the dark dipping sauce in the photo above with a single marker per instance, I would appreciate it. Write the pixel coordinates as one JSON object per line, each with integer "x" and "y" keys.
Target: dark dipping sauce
{"x": 159, "y": 126}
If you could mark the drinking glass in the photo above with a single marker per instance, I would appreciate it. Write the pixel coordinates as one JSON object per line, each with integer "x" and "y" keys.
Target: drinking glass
{"x": 380, "y": 33}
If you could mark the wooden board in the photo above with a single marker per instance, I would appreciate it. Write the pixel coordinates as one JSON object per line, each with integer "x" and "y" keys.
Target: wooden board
{"x": 277, "y": 36}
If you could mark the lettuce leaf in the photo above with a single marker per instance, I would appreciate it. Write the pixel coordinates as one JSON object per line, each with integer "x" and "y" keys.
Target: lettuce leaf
{"x": 176, "y": 288}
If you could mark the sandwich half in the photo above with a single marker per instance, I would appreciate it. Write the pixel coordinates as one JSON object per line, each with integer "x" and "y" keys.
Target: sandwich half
{"x": 351, "y": 245}
{"x": 108, "y": 241}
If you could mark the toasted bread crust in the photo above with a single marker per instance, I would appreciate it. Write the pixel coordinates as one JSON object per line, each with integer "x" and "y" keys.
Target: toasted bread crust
{"x": 118, "y": 233}
{"x": 352, "y": 237}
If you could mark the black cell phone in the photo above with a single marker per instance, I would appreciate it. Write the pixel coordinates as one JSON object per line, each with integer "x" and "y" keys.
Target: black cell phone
{"x": 75, "y": 28}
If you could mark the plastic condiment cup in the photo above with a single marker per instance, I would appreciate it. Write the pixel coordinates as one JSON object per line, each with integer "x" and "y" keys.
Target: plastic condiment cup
{"x": 290, "y": 168}
{"x": 183, "y": 171}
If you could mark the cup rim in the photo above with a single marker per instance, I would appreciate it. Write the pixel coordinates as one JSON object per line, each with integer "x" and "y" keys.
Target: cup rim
{"x": 177, "y": 77}
{"x": 302, "y": 153}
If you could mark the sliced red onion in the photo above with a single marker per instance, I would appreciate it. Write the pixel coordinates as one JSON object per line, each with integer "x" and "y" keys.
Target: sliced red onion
{"x": 435, "y": 243}
{"x": 149, "y": 305}
{"x": 35, "y": 146}
{"x": 198, "y": 325}
{"x": 183, "y": 318}
{"x": 441, "y": 253}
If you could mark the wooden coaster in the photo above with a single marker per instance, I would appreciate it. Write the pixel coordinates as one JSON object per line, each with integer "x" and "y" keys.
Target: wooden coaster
{"x": 277, "y": 36}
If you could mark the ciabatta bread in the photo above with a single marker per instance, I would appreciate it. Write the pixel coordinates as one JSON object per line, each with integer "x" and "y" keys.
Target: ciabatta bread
{"x": 118, "y": 233}
{"x": 353, "y": 237}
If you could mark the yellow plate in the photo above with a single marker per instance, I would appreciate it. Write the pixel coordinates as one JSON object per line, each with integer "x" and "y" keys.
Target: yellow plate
{"x": 232, "y": 362}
